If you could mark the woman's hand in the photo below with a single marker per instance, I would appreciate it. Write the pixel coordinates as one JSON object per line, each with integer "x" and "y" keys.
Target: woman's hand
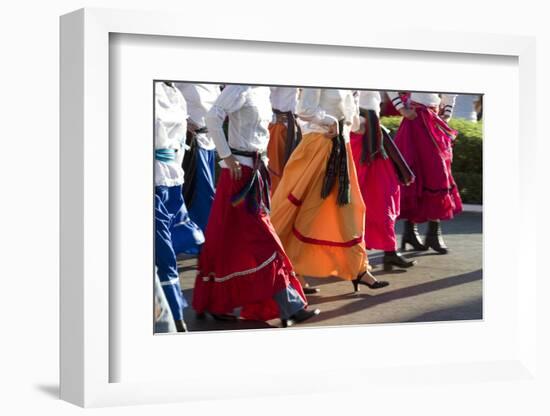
{"x": 332, "y": 130}
{"x": 408, "y": 113}
{"x": 234, "y": 167}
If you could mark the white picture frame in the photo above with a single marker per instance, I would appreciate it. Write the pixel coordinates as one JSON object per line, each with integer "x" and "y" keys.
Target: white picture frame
{"x": 86, "y": 353}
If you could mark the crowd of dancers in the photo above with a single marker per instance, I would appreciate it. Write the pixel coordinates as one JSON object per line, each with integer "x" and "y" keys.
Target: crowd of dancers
{"x": 309, "y": 181}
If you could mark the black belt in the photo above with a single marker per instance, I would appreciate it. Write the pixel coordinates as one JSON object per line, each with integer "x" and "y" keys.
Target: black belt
{"x": 247, "y": 153}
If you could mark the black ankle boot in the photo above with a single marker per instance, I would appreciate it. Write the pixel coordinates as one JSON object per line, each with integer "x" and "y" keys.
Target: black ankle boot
{"x": 394, "y": 258}
{"x": 410, "y": 236}
{"x": 434, "y": 238}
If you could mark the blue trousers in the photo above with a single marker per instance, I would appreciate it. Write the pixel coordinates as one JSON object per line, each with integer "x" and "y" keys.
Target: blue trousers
{"x": 205, "y": 187}
{"x": 289, "y": 302}
{"x": 186, "y": 235}
{"x": 174, "y": 233}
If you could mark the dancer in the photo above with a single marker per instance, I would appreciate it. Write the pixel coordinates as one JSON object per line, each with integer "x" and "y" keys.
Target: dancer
{"x": 243, "y": 263}
{"x": 425, "y": 140}
{"x": 284, "y": 136}
{"x": 199, "y": 160}
{"x": 318, "y": 211}
{"x": 380, "y": 167}
{"x": 284, "y": 132}
{"x": 174, "y": 230}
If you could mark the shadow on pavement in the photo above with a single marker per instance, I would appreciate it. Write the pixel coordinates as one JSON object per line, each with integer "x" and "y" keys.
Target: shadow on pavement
{"x": 369, "y": 299}
{"x": 469, "y": 310}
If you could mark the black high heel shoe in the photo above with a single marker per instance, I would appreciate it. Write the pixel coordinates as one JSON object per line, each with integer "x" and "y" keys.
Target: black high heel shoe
{"x": 394, "y": 258}
{"x": 434, "y": 238}
{"x": 300, "y": 316}
{"x": 378, "y": 284}
{"x": 310, "y": 290}
{"x": 411, "y": 236}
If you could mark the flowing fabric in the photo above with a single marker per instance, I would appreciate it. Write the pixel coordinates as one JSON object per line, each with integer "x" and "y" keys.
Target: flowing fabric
{"x": 243, "y": 263}
{"x": 321, "y": 237}
{"x": 276, "y": 151}
{"x": 284, "y": 137}
{"x": 426, "y": 145}
{"x": 186, "y": 236}
{"x": 165, "y": 259}
{"x": 380, "y": 189}
{"x": 204, "y": 186}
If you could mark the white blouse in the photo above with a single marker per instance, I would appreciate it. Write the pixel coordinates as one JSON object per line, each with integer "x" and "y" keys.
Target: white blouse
{"x": 370, "y": 100}
{"x": 170, "y": 133}
{"x": 249, "y": 112}
{"x": 284, "y": 98}
{"x": 200, "y": 98}
{"x": 320, "y": 108}
{"x": 446, "y": 101}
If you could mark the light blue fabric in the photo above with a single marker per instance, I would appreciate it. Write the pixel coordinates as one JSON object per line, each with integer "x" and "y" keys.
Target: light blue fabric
{"x": 289, "y": 302}
{"x": 165, "y": 155}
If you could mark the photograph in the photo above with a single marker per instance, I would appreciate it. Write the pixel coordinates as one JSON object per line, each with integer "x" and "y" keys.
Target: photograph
{"x": 299, "y": 206}
{"x": 233, "y": 208}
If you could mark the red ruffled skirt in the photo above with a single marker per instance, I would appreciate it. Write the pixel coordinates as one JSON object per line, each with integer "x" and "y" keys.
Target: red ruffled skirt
{"x": 242, "y": 263}
{"x": 426, "y": 145}
{"x": 381, "y": 192}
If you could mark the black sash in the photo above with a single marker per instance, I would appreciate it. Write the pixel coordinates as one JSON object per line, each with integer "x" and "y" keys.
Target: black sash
{"x": 256, "y": 192}
{"x": 189, "y": 166}
{"x": 377, "y": 143}
{"x": 293, "y": 132}
{"x": 404, "y": 172}
{"x": 337, "y": 167}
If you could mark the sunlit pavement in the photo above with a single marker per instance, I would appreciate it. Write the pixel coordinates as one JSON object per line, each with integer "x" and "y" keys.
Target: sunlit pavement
{"x": 438, "y": 288}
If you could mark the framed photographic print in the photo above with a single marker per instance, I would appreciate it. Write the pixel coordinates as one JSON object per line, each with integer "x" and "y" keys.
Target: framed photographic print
{"x": 234, "y": 205}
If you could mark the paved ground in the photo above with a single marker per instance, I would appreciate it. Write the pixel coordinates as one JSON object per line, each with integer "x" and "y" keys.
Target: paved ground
{"x": 439, "y": 287}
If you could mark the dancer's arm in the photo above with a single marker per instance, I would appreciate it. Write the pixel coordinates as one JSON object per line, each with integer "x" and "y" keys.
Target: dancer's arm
{"x": 309, "y": 109}
{"x": 447, "y": 106}
{"x": 230, "y": 100}
{"x": 408, "y": 113}
{"x": 352, "y": 111}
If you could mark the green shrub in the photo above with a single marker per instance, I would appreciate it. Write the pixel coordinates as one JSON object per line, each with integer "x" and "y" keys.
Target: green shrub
{"x": 467, "y": 156}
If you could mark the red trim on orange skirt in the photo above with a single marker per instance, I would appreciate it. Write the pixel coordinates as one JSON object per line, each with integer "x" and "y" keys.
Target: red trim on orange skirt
{"x": 294, "y": 200}
{"x": 309, "y": 240}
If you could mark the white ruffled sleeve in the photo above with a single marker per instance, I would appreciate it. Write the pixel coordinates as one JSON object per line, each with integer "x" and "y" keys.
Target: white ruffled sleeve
{"x": 230, "y": 100}
{"x": 351, "y": 108}
{"x": 308, "y": 108}
{"x": 396, "y": 100}
{"x": 447, "y": 104}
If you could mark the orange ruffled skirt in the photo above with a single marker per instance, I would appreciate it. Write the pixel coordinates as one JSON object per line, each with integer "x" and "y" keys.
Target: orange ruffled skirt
{"x": 321, "y": 238}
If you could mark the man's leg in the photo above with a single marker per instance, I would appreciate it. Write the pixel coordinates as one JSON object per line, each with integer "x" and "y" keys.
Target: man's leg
{"x": 165, "y": 260}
